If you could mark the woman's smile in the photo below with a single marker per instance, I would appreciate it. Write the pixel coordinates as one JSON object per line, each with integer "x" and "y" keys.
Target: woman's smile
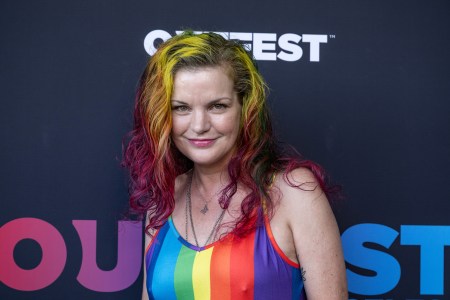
{"x": 202, "y": 143}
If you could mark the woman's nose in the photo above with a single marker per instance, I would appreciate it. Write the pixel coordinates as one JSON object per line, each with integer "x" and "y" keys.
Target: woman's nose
{"x": 200, "y": 122}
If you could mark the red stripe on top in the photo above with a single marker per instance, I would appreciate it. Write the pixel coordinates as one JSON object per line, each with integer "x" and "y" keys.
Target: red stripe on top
{"x": 151, "y": 242}
{"x": 276, "y": 247}
{"x": 220, "y": 271}
{"x": 242, "y": 268}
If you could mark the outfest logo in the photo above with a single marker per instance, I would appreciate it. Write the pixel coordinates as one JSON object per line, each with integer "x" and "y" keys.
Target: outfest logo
{"x": 264, "y": 46}
{"x": 367, "y": 248}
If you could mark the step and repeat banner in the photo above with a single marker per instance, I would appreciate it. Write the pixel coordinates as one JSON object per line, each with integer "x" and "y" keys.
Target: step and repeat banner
{"x": 362, "y": 87}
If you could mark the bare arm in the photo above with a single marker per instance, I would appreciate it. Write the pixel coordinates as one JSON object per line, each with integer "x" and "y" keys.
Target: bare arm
{"x": 315, "y": 236}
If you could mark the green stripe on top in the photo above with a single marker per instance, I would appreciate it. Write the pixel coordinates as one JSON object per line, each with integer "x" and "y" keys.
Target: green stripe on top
{"x": 183, "y": 274}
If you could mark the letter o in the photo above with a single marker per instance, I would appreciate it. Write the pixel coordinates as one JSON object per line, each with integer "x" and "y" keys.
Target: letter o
{"x": 54, "y": 254}
{"x": 152, "y": 36}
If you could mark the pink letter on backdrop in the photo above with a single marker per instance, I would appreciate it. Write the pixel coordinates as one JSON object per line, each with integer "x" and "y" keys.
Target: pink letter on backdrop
{"x": 54, "y": 254}
{"x": 129, "y": 257}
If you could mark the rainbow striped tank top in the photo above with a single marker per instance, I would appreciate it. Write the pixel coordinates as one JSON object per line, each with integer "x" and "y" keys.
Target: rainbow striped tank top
{"x": 230, "y": 269}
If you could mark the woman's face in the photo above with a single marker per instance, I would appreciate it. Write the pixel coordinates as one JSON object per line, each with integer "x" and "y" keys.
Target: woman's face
{"x": 206, "y": 115}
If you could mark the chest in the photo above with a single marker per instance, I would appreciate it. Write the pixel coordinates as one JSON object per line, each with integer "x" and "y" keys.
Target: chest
{"x": 248, "y": 268}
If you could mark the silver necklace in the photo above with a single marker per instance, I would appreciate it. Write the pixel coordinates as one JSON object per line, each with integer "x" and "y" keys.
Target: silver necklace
{"x": 205, "y": 208}
{"x": 189, "y": 208}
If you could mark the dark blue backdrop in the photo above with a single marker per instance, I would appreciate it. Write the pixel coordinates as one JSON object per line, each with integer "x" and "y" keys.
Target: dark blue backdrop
{"x": 374, "y": 111}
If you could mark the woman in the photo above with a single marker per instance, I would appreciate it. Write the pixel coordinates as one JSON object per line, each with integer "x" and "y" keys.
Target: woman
{"x": 228, "y": 215}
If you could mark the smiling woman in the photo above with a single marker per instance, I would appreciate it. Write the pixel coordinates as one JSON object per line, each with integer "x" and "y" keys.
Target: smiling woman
{"x": 228, "y": 214}
{"x": 205, "y": 116}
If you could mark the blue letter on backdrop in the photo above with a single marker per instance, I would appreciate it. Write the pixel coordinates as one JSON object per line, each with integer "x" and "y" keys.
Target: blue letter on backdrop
{"x": 431, "y": 240}
{"x": 385, "y": 266}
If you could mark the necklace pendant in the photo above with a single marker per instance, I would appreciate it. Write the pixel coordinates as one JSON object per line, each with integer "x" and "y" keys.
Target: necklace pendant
{"x": 204, "y": 209}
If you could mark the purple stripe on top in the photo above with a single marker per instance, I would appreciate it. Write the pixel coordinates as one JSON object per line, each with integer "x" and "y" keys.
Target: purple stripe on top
{"x": 273, "y": 276}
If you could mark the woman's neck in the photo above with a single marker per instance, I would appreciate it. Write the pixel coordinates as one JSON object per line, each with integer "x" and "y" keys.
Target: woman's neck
{"x": 209, "y": 181}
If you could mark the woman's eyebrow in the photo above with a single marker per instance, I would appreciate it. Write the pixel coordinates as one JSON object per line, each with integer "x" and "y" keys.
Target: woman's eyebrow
{"x": 178, "y": 101}
{"x": 209, "y": 102}
{"x": 219, "y": 99}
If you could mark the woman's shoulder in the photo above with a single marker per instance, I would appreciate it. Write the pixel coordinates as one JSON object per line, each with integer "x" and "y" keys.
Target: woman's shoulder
{"x": 297, "y": 185}
{"x": 297, "y": 196}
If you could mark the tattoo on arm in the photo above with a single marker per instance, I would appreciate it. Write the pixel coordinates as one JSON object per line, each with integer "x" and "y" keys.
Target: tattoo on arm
{"x": 303, "y": 272}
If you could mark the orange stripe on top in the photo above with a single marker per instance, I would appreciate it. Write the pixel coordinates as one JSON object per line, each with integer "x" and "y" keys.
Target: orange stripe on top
{"x": 270, "y": 234}
{"x": 275, "y": 245}
{"x": 151, "y": 242}
{"x": 242, "y": 268}
{"x": 220, "y": 271}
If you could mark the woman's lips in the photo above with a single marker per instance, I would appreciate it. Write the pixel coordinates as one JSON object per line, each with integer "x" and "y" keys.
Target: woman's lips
{"x": 201, "y": 143}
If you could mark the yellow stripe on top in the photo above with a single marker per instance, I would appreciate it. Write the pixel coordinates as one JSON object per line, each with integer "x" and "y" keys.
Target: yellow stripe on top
{"x": 201, "y": 274}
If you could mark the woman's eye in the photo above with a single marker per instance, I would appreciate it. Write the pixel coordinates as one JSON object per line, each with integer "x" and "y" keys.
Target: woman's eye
{"x": 180, "y": 108}
{"x": 218, "y": 106}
